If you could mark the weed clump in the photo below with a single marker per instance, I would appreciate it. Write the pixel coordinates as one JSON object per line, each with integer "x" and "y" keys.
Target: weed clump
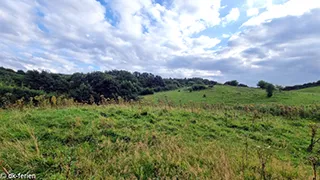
{"x": 144, "y": 113}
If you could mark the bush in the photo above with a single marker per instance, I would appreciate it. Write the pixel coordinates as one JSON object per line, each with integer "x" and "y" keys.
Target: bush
{"x": 262, "y": 84}
{"x": 270, "y": 89}
{"x": 11, "y": 94}
{"x": 198, "y": 87}
{"x": 242, "y": 85}
{"x": 232, "y": 83}
{"x": 146, "y": 91}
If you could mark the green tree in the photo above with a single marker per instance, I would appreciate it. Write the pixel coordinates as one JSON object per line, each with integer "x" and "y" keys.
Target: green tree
{"x": 270, "y": 88}
{"x": 232, "y": 83}
{"x": 262, "y": 84}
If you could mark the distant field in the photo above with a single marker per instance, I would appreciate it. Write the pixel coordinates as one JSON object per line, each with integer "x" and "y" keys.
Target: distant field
{"x": 238, "y": 95}
{"x": 310, "y": 90}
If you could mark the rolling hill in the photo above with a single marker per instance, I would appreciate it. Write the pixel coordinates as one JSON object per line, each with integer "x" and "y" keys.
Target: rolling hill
{"x": 239, "y": 133}
{"x": 231, "y": 95}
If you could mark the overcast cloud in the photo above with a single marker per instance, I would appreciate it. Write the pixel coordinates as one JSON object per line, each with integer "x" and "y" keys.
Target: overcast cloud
{"x": 247, "y": 40}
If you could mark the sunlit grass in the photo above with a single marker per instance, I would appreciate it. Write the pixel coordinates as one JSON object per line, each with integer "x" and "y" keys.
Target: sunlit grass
{"x": 141, "y": 142}
{"x": 237, "y": 95}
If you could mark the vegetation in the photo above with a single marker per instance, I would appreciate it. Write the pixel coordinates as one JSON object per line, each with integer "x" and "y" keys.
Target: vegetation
{"x": 198, "y": 87}
{"x": 270, "y": 88}
{"x": 306, "y": 85}
{"x": 95, "y": 126}
{"x": 232, "y": 83}
{"x": 91, "y": 86}
{"x": 230, "y": 95}
{"x": 139, "y": 141}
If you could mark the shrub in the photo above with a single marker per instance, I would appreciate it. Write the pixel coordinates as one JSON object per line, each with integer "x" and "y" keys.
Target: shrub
{"x": 262, "y": 84}
{"x": 9, "y": 95}
{"x": 270, "y": 89}
{"x": 198, "y": 87}
{"x": 242, "y": 85}
{"x": 232, "y": 83}
{"x": 146, "y": 91}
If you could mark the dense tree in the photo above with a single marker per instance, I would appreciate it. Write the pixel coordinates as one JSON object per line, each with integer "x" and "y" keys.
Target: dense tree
{"x": 306, "y": 85}
{"x": 146, "y": 91}
{"x": 21, "y": 72}
{"x": 198, "y": 87}
{"x": 242, "y": 85}
{"x": 270, "y": 88}
{"x": 82, "y": 93}
{"x": 232, "y": 83}
{"x": 262, "y": 84}
{"x": 128, "y": 90}
{"x": 86, "y": 87}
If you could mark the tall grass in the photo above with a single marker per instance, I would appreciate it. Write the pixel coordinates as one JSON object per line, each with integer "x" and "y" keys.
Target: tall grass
{"x": 135, "y": 141}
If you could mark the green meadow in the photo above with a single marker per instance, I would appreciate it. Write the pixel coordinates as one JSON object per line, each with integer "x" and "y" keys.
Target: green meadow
{"x": 231, "y": 133}
{"x": 231, "y": 95}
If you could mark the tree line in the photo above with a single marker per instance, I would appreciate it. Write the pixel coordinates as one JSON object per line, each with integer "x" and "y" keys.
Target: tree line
{"x": 306, "y": 85}
{"x": 88, "y": 87}
{"x": 94, "y": 86}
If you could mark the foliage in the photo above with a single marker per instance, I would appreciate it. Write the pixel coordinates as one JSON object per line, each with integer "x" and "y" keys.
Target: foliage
{"x": 262, "y": 84}
{"x": 110, "y": 84}
{"x": 306, "y": 85}
{"x": 242, "y": 85}
{"x": 9, "y": 95}
{"x": 232, "y": 83}
{"x": 198, "y": 87}
{"x": 270, "y": 88}
{"x": 146, "y": 91}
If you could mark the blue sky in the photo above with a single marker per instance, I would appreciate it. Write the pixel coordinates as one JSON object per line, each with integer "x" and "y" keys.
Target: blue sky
{"x": 247, "y": 40}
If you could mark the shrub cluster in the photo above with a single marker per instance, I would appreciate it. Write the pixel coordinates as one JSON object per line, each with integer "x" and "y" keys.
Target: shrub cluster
{"x": 10, "y": 95}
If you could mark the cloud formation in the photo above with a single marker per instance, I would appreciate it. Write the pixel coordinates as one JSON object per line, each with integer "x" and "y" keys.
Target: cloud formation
{"x": 273, "y": 40}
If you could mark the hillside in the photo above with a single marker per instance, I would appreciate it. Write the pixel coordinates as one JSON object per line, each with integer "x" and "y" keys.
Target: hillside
{"x": 237, "y": 95}
{"x": 223, "y": 132}
{"x": 310, "y": 90}
{"x": 143, "y": 142}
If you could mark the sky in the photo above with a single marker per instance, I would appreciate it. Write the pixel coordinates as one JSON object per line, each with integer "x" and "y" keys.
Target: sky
{"x": 248, "y": 40}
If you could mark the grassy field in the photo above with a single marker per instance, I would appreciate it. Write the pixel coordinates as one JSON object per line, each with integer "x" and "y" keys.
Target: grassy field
{"x": 155, "y": 140}
{"x": 310, "y": 90}
{"x": 237, "y": 95}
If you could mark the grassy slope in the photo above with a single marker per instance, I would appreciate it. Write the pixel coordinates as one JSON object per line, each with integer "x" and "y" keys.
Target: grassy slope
{"x": 240, "y": 95}
{"x": 140, "y": 142}
{"x": 310, "y": 90}
{"x": 137, "y": 141}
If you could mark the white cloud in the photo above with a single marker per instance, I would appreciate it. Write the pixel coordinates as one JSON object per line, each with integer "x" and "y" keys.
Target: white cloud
{"x": 70, "y": 36}
{"x": 252, "y": 12}
{"x": 203, "y": 42}
{"x": 233, "y": 15}
{"x": 259, "y": 4}
{"x": 225, "y": 35}
{"x": 290, "y": 8}
{"x": 188, "y": 73}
